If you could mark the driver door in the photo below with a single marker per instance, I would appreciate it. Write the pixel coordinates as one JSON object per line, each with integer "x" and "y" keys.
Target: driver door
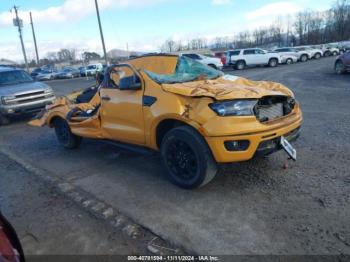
{"x": 121, "y": 106}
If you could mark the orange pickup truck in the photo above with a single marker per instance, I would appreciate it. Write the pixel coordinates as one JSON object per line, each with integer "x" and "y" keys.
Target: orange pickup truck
{"x": 194, "y": 115}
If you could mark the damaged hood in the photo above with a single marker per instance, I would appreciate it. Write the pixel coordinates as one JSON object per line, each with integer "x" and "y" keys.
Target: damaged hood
{"x": 228, "y": 87}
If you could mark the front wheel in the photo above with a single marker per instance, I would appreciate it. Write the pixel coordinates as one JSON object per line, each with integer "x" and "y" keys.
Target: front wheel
{"x": 303, "y": 58}
{"x": 339, "y": 68}
{"x": 335, "y": 53}
{"x": 318, "y": 56}
{"x": 273, "y": 62}
{"x": 187, "y": 158}
{"x": 240, "y": 65}
{"x": 289, "y": 61}
{"x": 64, "y": 135}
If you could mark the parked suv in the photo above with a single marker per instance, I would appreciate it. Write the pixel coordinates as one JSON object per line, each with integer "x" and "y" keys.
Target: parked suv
{"x": 342, "y": 64}
{"x": 303, "y": 53}
{"x": 252, "y": 57}
{"x": 315, "y": 52}
{"x": 194, "y": 115}
{"x": 19, "y": 94}
{"x": 213, "y": 62}
{"x": 330, "y": 50}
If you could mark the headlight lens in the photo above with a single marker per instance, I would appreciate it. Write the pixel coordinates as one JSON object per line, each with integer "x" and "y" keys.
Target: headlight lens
{"x": 234, "y": 108}
{"x": 7, "y": 99}
{"x": 48, "y": 90}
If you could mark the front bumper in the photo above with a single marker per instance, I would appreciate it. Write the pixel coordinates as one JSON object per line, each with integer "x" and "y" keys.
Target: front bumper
{"x": 26, "y": 108}
{"x": 260, "y": 143}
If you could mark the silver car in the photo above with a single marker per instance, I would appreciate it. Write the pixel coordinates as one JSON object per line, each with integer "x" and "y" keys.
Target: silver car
{"x": 20, "y": 94}
{"x": 46, "y": 75}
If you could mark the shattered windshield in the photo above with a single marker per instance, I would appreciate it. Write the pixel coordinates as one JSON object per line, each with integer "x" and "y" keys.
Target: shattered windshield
{"x": 187, "y": 70}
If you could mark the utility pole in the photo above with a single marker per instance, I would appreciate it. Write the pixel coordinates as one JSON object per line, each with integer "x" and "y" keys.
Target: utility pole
{"x": 101, "y": 33}
{"x": 19, "y": 23}
{"x": 36, "y": 47}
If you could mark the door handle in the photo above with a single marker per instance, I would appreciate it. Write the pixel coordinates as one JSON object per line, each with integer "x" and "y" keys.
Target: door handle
{"x": 106, "y": 98}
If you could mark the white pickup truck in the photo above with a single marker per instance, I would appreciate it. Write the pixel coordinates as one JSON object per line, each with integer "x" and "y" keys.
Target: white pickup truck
{"x": 242, "y": 58}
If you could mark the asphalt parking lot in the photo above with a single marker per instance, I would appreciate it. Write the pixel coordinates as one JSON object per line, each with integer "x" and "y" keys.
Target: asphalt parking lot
{"x": 257, "y": 207}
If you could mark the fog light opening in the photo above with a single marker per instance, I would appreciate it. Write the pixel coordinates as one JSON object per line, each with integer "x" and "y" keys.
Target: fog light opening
{"x": 239, "y": 145}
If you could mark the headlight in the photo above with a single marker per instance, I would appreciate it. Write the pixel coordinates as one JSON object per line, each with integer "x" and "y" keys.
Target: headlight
{"x": 234, "y": 108}
{"x": 48, "y": 90}
{"x": 7, "y": 99}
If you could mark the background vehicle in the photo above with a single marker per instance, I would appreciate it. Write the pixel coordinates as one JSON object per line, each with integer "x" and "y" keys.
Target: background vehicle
{"x": 303, "y": 53}
{"x": 342, "y": 64}
{"x": 252, "y": 57}
{"x": 10, "y": 246}
{"x": 329, "y": 50}
{"x": 68, "y": 73}
{"x": 288, "y": 59}
{"x": 213, "y": 62}
{"x": 82, "y": 71}
{"x": 47, "y": 74}
{"x": 92, "y": 69}
{"x": 20, "y": 94}
{"x": 315, "y": 52}
{"x": 193, "y": 114}
{"x": 35, "y": 72}
{"x": 222, "y": 56}
{"x": 299, "y": 53}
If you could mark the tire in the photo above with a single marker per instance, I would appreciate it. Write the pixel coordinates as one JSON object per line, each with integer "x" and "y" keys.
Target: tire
{"x": 303, "y": 58}
{"x": 317, "y": 56}
{"x": 335, "y": 53}
{"x": 327, "y": 54}
{"x": 4, "y": 120}
{"x": 273, "y": 62}
{"x": 240, "y": 65}
{"x": 187, "y": 158}
{"x": 289, "y": 61}
{"x": 339, "y": 67}
{"x": 64, "y": 135}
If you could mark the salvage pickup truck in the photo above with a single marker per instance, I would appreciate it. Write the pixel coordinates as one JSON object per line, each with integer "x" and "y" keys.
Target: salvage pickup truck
{"x": 194, "y": 115}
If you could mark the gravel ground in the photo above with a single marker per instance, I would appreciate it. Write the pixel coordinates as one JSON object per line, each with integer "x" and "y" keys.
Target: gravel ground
{"x": 257, "y": 207}
{"x": 49, "y": 224}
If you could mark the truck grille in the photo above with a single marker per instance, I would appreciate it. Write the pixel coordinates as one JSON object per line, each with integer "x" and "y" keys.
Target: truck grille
{"x": 274, "y": 107}
{"x": 29, "y": 97}
{"x": 30, "y": 94}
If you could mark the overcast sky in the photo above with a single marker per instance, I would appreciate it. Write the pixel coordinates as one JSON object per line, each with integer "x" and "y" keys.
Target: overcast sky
{"x": 143, "y": 24}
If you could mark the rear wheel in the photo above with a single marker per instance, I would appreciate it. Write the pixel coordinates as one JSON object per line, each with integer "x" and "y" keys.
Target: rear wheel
{"x": 327, "y": 53}
{"x": 335, "y": 53}
{"x": 339, "y": 67}
{"x": 289, "y": 61}
{"x": 187, "y": 158}
{"x": 240, "y": 65}
{"x": 303, "y": 58}
{"x": 64, "y": 135}
{"x": 273, "y": 62}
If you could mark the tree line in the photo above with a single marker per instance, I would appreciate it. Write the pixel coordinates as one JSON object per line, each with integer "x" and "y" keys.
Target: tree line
{"x": 307, "y": 27}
